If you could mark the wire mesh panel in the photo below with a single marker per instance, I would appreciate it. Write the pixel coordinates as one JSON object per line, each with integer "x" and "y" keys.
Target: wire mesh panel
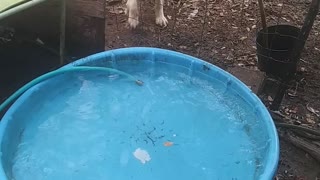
{"x": 213, "y": 30}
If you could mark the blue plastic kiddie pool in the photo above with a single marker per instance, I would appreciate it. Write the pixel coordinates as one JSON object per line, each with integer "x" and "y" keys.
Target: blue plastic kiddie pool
{"x": 141, "y": 114}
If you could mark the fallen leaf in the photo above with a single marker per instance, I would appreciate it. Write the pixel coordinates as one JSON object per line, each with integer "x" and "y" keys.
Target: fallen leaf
{"x": 168, "y": 144}
{"x": 293, "y": 110}
{"x": 303, "y": 69}
{"x": 315, "y": 112}
{"x": 309, "y": 120}
{"x": 193, "y": 14}
{"x": 243, "y": 38}
{"x": 286, "y": 111}
{"x": 40, "y": 41}
{"x": 303, "y": 60}
{"x": 297, "y": 122}
{"x": 285, "y": 19}
{"x": 292, "y": 94}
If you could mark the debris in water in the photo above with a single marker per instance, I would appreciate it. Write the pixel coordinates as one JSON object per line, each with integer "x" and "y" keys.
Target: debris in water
{"x": 142, "y": 155}
{"x": 168, "y": 143}
{"x": 139, "y": 82}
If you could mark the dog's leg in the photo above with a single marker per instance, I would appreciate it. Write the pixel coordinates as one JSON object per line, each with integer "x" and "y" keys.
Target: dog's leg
{"x": 160, "y": 18}
{"x": 133, "y": 13}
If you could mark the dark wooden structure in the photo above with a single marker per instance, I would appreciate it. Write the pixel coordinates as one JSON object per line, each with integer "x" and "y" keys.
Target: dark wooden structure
{"x": 85, "y": 27}
{"x": 73, "y": 27}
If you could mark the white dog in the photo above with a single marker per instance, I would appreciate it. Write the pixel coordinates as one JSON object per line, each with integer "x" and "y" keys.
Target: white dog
{"x": 133, "y": 13}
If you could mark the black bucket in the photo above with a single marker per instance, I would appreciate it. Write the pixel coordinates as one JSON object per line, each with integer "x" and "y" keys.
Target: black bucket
{"x": 275, "y": 59}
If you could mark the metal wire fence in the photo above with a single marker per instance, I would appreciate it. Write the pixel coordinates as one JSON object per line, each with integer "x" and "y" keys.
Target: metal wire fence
{"x": 222, "y": 32}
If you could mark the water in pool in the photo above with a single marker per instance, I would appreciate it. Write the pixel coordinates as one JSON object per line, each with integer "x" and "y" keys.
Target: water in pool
{"x": 93, "y": 126}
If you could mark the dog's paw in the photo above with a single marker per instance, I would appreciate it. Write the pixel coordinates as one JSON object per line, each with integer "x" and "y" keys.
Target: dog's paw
{"x": 133, "y": 22}
{"x": 132, "y": 13}
{"x": 162, "y": 21}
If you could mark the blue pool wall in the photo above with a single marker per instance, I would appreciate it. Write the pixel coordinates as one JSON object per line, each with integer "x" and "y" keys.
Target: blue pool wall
{"x": 143, "y": 57}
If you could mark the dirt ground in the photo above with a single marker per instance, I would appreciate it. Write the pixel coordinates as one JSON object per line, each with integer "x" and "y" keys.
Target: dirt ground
{"x": 221, "y": 32}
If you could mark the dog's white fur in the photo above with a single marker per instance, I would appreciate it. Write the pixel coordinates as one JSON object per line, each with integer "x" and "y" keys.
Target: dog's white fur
{"x": 133, "y": 13}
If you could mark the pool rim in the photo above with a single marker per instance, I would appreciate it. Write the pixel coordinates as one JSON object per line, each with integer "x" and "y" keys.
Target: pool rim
{"x": 274, "y": 148}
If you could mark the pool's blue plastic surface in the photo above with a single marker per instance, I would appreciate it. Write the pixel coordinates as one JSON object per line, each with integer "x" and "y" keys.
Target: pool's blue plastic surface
{"x": 265, "y": 136}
